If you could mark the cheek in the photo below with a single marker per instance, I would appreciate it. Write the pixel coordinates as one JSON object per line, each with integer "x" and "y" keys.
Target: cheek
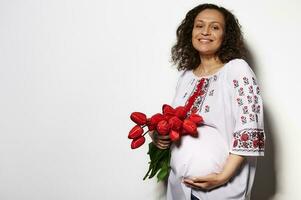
{"x": 220, "y": 37}
{"x": 194, "y": 33}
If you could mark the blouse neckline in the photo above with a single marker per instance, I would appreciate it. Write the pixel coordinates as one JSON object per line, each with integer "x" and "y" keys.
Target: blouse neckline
{"x": 210, "y": 75}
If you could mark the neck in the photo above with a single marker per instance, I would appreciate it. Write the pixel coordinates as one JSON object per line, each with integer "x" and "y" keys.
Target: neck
{"x": 208, "y": 65}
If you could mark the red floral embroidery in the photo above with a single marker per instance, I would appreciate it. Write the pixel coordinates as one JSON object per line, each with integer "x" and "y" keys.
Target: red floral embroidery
{"x": 248, "y": 140}
{"x": 244, "y": 137}
{"x": 235, "y": 143}
{"x": 194, "y": 110}
{"x": 247, "y": 94}
{"x": 235, "y": 83}
{"x": 194, "y": 103}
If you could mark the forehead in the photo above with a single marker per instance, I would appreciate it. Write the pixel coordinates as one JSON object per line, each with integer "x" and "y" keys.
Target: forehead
{"x": 210, "y": 15}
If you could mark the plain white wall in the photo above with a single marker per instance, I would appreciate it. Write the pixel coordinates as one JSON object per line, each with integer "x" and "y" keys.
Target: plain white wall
{"x": 71, "y": 72}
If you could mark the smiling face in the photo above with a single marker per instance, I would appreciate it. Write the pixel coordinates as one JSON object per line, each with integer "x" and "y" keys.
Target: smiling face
{"x": 208, "y": 31}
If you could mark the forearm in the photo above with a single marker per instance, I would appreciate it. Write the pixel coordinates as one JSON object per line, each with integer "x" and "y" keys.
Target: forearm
{"x": 232, "y": 164}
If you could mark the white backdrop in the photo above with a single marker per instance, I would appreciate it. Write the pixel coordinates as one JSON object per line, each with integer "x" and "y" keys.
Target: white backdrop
{"x": 71, "y": 72}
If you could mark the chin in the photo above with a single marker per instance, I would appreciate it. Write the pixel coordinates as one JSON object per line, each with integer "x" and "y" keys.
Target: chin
{"x": 207, "y": 52}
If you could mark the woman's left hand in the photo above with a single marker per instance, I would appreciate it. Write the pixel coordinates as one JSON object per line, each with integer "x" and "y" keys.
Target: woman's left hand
{"x": 206, "y": 182}
{"x": 214, "y": 180}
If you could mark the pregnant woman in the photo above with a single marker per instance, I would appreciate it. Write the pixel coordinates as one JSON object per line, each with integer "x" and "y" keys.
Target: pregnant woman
{"x": 220, "y": 163}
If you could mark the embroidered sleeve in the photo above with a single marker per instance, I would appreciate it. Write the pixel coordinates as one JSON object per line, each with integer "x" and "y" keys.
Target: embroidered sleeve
{"x": 248, "y": 137}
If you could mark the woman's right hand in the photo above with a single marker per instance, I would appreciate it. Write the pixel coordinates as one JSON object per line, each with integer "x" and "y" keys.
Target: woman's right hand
{"x": 161, "y": 141}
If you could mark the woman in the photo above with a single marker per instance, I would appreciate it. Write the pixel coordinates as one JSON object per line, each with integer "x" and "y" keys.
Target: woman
{"x": 220, "y": 163}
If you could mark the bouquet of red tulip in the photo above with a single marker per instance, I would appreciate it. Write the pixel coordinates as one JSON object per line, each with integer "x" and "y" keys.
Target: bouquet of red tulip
{"x": 173, "y": 122}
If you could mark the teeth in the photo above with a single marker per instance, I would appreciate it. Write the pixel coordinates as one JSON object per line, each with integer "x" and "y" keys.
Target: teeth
{"x": 204, "y": 40}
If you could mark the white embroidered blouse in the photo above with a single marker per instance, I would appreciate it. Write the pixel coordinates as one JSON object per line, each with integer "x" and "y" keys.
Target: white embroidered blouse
{"x": 231, "y": 106}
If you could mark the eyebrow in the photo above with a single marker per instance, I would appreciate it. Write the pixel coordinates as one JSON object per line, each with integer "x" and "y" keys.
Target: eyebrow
{"x": 199, "y": 20}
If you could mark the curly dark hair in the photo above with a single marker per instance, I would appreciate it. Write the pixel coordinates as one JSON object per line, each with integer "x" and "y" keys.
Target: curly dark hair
{"x": 185, "y": 56}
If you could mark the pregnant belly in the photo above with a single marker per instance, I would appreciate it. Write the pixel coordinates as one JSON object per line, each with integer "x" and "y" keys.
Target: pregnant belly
{"x": 199, "y": 156}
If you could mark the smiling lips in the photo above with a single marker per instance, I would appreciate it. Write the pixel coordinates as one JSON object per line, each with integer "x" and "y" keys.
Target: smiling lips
{"x": 204, "y": 40}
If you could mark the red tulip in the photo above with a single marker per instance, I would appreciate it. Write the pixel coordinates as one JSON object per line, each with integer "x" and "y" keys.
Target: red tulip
{"x": 168, "y": 111}
{"x": 139, "y": 118}
{"x": 163, "y": 127}
{"x": 183, "y": 131}
{"x": 196, "y": 118}
{"x": 151, "y": 127}
{"x": 174, "y": 135}
{"x": 135, "y": 132}
{"x": 137, "y": 142}
{"x": 175, "y": 123}
{"x": 155, "y": 119}
{"x": 190, "y": 127}
{"x": 180, "y": 112}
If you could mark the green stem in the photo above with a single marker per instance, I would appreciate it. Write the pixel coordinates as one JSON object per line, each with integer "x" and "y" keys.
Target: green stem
{"x": 145, "y": 133}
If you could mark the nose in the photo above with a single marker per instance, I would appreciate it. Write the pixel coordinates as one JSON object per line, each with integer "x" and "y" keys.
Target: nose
{"x": 206, "y": 30}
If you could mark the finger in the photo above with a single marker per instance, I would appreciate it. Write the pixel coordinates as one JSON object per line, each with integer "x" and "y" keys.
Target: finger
{"x": 161, "y": 146}
{"x": 189, "y": 181}
{"x": 199, "y": 186}
{"x": 164, "y": 145}
{"x": 206, "y": 178}
{"x": 163, "y": 137}
{"x": 191, "y": 184}
{"x": 164, "y": 142}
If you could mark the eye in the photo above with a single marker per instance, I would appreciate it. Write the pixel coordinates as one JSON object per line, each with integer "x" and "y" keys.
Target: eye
{"x": 215, "y": 27}
{"x": 199, "y": 26}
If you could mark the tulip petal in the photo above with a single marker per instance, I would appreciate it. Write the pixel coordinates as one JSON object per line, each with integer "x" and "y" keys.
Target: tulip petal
{"x": 137, "y": 142}
{"x": 174, "y": 135}
{"x": 190, "y": 127}
{"x": 196, "y": 118}
{"x": 135, "y": 132}
{"x": 139, "y": 118}
{"x": 163, "y": 127}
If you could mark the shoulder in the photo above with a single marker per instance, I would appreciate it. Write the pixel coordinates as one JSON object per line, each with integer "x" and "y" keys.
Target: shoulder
{"x": 182, "y": 76}
{"x": 185, "y": 74}
{"x": 237, "y": 68}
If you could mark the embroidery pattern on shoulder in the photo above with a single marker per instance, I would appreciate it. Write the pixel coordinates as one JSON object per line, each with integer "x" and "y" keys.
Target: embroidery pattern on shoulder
{"x": 241, "y": 91}
{"x": 243, "y": 119}
{"x": 250, "y": 99}
{"x": 252, "y": 117}
{"x": 245, "y": 110}
{"x": 248, "y": 140}
{"x": 247, "y": 97}
{"x": 239, "y": 101}
{"x": 235, "y": 83}
{"x": 257, "y": 90}
{"x": 255, "y": 99}
{"x": 254, "y": 81}
{"x": 251, "y": 89}
{"x": 246, "y": 80}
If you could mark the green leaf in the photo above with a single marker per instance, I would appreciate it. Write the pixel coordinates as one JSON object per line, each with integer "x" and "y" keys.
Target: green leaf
{"x": 159, "y": 162}
{"x": 154, "y": 152}
{"x": 163, "y": 173}
{"x": 148, "y": 171}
